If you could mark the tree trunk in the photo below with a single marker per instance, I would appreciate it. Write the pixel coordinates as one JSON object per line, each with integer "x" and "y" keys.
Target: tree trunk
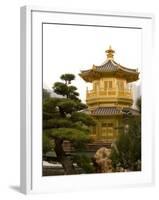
{"x": 66, "y": 162}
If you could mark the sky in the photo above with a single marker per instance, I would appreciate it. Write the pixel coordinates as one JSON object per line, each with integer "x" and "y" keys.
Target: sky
{"x": 69, "y": 49}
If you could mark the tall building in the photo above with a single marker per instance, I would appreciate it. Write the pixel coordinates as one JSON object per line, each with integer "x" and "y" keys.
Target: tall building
{"x": 110, "y": 97}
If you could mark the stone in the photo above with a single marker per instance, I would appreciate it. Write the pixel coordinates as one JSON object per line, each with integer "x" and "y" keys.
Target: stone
{"x": 102, "y": 162}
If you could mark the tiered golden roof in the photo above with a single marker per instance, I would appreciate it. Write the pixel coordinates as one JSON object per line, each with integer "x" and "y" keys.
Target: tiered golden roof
{"x": 110, "y": 68}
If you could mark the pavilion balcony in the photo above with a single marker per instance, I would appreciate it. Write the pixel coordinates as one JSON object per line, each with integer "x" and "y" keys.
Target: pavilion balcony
{"x": 117, "y": 93}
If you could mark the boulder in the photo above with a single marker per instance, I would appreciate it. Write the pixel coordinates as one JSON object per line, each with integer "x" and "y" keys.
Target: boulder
{"x": 102, "y": 162}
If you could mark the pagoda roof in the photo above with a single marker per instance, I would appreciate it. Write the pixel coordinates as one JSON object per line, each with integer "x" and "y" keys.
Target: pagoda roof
{"x": 110, "y": 111}
{"x": 109, "y": 68}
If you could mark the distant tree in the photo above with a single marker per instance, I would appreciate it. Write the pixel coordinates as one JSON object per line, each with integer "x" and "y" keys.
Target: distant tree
{"x": 63, "y": 120}
{"x": 46, "y": 94}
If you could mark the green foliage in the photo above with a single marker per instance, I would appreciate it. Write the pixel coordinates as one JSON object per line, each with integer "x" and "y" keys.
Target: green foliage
{"x": 67, "y": 134}
{"x": 63, "y": 120}
{"x": 50, "y": 108}
{"x": 127, "y": 153}
{"x": 46, "y": 94}
{"x": 67, "y": 105}
{"x": 56, "y": 123}
{"x": 60, "y": 88}
{"x": 65, "y": 89}
{"x": 62, "y": 116}
{"x": 48, "y": 145}
{"x": 83, "y": 118}
{"x": 121, "y": 158}
{"x": 84, "y": 162}
{"x": 67, "y": 78}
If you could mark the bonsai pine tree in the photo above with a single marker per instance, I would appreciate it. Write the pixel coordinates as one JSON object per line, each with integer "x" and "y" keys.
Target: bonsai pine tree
{"x": 63, "y": 120}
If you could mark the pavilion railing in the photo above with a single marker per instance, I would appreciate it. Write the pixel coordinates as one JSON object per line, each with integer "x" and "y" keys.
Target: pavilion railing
{"x": 124, "y": 93}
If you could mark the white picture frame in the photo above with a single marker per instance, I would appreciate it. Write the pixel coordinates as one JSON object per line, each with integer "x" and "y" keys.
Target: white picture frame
{"x": 32, "y": 181}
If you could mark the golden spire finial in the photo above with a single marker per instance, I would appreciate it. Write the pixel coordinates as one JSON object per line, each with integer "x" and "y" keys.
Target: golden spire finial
{"x": 110, "y": 53}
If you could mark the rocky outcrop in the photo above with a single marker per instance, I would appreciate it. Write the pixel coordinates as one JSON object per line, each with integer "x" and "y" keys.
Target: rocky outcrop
{"x": 102, "y": 162}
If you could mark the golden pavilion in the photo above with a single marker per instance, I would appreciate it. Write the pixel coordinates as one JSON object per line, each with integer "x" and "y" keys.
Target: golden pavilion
{"x": 111, "y": 93}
